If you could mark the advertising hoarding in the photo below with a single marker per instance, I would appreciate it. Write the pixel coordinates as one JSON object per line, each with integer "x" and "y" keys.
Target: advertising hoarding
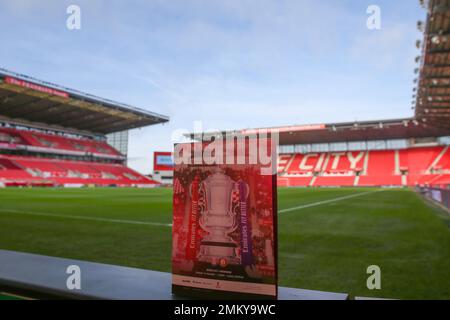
{"x": 162, "y": 161}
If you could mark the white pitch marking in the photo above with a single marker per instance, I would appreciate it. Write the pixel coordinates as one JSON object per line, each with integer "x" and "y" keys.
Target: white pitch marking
{"x": 88, "y": 218}
{"x": 314, "y": 204}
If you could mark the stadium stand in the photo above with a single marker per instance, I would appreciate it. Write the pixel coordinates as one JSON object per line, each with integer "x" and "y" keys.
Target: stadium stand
{"x": 395, "y": 152}
{"x": 26, "y": 171}
{"x": 406, "y": 167}
{"x": 36, "y": 141}
{"x": 54, "y": 136}
{"x": 424, "y": 158}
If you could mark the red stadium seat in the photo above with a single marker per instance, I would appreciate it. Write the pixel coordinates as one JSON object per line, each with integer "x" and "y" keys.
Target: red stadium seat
{"x": 29, "y": 169}
{"x": 420, "y": 165}
{"x": 39, "y": 141}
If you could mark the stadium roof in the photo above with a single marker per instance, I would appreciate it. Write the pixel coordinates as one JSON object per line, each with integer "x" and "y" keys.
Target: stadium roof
{"x": 346, "y": 131}
{"x": 432, "y": 99}
{"x": 28, "y": 100}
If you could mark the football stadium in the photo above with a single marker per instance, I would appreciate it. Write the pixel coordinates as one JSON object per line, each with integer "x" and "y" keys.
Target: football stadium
{"x": 350, "y": 194}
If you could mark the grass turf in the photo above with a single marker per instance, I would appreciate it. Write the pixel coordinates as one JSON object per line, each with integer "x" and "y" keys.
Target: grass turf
{"x": 322, "y": 247}
{"x": 7, "y": 296}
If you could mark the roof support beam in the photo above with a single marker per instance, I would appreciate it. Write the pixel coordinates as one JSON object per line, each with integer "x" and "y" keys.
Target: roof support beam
{"x": 94, "y": 121}
{"x": 40, "y": 110}
{"x": 18, "y": 107}
{"x": 77, "y": 120}
{"x": 118, "y": 128}
{"x": 100, "y": 124}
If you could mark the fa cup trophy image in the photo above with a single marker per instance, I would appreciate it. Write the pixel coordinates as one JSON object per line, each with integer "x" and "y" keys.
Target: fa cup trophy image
{"x": 218, "y": 220}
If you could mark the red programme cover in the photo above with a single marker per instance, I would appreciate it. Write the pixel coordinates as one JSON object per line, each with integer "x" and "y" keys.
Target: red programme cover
{"x": 224, "y": 231}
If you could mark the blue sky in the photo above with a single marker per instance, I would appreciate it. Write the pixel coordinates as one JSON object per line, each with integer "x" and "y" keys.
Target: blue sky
{"x": 230, "y": 64}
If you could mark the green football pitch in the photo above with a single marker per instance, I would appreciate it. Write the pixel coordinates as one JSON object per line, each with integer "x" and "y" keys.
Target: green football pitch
{"x": 327, "y": 237}
{"x": 8, "y": 296}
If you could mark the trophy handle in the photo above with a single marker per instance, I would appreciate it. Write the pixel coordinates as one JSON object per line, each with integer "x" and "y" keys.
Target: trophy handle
{"x": 230, "y": 205}
{"x": 190, "y": 191}
{"x": 200, "y": 220}
{"x": 247, "y": 191}
{"x": 235, "y": 225}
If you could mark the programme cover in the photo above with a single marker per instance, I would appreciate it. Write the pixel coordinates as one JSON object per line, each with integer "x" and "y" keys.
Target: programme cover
{"x": 224, "y": 229}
